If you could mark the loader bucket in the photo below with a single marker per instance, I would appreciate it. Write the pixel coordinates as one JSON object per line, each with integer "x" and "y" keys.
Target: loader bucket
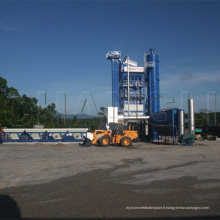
{"x": 86, "y": 143}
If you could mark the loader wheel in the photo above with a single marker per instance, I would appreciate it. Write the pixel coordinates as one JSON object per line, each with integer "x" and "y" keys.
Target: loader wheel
{"x": 104, "y": 141}
{"x": 126, "y": 142}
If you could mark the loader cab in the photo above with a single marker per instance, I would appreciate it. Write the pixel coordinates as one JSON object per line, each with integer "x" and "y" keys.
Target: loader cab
{"x": 103, "y": 126}
{"x": 116, "y": 128}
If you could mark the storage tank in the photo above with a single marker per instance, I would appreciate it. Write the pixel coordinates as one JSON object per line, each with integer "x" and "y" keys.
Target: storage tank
{"x": 115, "y": 83}
{"x": 165, "y": 122}
{"x": 181, "y": 122}
{"x": 115, "y": 57}
{"x": 169, "y": 122}
{"x": 152, "y": 76}
{"x": 152, "y": 70}
{"x": 191, "y": 115}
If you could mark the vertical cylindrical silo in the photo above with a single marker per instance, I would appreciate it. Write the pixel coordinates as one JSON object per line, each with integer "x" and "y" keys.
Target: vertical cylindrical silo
{"x": 153, "y": 82}
{"x": 115, "y": 57}
{"x": 115, "y": 82}
{"x": 181, "y": 123}
{"x": 191, "y": 122}
{"x": 153, "y": 90}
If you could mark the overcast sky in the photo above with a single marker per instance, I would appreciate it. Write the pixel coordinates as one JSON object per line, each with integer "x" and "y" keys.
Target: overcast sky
{"x": 60, "y": 46}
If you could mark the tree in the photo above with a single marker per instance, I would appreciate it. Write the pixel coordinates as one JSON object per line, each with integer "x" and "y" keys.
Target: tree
{"x": 46, "y": 116}
{"x": 3, "y": 86}
{"x": 23, "y": 111}
{"x": 51, "y": 109}
{"x": 75, "y": 121}
{"x": 12, "y": 92}
{"x": 59, "y": 121}
{"x": 103, "y": 114}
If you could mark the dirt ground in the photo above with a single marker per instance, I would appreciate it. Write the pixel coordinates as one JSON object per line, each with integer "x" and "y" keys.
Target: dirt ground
{"x": 143, "y": 181}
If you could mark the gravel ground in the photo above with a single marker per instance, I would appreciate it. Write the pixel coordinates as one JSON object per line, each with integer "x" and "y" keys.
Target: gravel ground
{"x": 143, "y": 181}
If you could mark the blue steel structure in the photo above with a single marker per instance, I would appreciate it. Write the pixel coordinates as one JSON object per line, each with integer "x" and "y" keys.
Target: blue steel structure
{"x": 42, "y": 136}
{"x": 144, "y": 91}
{"x": 165, "y": 123}
{"x": 137, "y": 88}
{"x": 115, "y": 57}
{"x": 137, "y": 91}
{"x": 152, "y": 74}
{"x": 153, "y": 90}
{"x": 137, "y": 85}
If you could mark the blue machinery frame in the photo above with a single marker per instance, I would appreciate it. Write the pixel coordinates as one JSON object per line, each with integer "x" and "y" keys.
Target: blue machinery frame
{"x": 144, "y": 86}
{"x": 144, "y": 90}
{"x": 137, "y": 89}
{"x": 137, "y": 83}
{"x": 43, "y": 136}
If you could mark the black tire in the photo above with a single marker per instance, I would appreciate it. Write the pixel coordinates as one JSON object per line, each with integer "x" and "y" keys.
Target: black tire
{"x": 104, "y": 141}
{"x": 126, "y": 142}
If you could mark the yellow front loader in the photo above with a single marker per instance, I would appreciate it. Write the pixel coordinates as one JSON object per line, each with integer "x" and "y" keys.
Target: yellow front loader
{"x": 115, "y": 134}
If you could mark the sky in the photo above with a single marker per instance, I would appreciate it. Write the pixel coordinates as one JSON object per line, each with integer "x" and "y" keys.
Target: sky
{"x": 59, "y": 47}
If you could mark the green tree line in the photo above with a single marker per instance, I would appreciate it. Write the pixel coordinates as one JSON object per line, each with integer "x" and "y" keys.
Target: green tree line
{"x": 18, "y": 111}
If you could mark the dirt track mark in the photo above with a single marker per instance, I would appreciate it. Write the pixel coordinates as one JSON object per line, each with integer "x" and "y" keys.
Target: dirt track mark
{"x": 128, "y": 163}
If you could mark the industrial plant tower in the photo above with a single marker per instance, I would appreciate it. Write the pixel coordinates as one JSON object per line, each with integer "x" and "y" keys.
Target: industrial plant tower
{"x": 135, "y": 90}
